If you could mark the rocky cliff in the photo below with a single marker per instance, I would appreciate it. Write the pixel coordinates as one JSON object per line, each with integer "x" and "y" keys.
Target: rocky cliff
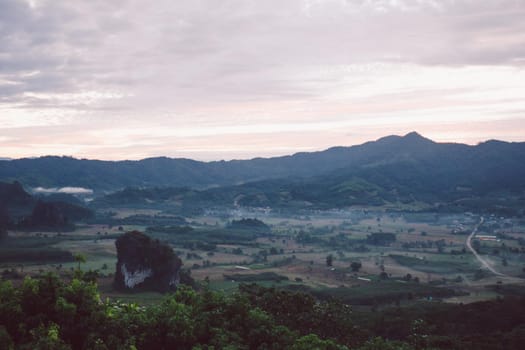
{"x": 145, "y": 264}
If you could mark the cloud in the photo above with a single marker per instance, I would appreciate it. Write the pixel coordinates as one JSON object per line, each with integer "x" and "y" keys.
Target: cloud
{"x": 84, "y": 67}
{"x": 241, "y": 48}
{"x": 67, "y": 190}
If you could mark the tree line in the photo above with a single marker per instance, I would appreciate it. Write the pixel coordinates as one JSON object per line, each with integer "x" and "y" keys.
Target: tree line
{"x": 49, "y": 313}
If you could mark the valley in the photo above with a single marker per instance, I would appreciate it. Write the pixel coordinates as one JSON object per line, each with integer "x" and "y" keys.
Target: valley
{"x": 426, "y": 257}
{"x": 389, "y": 234}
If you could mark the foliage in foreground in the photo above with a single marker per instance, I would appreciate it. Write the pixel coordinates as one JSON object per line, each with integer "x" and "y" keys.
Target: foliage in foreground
{"x": 47, "y": 313}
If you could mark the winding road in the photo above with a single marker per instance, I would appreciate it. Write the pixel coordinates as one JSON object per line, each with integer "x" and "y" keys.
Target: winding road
{"x": 480, "y": 259}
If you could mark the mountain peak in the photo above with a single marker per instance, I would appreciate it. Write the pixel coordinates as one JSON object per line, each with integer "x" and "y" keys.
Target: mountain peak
{"x": 416, "y": 137}
{"x": 409, "y": 139}
{"x": 413, "y": 135}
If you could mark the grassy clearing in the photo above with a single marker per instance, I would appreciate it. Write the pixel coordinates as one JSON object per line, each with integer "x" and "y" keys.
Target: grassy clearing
{"x": 380, "y": 292}
{"x": 473, "y": 297}
{"x": 256, "y": 277}
{"x": 439, "y": 264}
{"x": 231, "y": 286}
{"x": 143, "y": 298}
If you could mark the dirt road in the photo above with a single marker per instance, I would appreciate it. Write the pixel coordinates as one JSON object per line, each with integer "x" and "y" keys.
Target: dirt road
{"x": 480, "y": 259}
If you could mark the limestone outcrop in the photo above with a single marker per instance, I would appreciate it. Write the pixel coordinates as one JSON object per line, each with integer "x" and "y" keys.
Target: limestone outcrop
{"x": 145, "y": 264}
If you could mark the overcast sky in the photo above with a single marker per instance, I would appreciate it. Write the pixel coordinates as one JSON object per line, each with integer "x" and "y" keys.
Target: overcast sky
{"x": 221, "y": 79}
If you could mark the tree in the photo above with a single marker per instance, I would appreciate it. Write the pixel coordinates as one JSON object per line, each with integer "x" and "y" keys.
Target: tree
{"x": 379, "y": 343}
{"x": 5, "y": 339}
{"x": 419, "y": 336}
{"x": 47, "y": 215}
{"x": 80, "y": 259}
{"x": 48, "y": 338}
{"x": 329, "y": 260}
{"x": 355, "y": 266}
{"x": 312, "y": 341}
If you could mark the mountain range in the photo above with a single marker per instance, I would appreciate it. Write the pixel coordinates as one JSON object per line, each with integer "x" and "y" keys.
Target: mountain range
{"x": 392, "y": 170}
{"x": 485, "y": 165}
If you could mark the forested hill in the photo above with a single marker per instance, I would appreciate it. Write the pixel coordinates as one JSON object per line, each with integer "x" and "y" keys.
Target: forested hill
{"x": 500, "y": 159}
{"x": 20, "y": 210}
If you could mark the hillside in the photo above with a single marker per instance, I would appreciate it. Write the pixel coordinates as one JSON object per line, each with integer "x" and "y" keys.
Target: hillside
{"x": 410, "y": 163}
{"x": 106, "y": 175}
{"x": 25, "y": 211}
{"x": 393, "y": 170}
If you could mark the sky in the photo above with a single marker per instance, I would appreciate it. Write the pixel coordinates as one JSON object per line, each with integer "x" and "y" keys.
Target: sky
{"x": 237, "y": 79}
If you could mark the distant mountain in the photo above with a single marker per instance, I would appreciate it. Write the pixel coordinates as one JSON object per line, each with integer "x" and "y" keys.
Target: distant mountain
{"x": 392, "y": 170}
{"x": 409, "y": 169}
{"x": 136, "y": 197}
{"x": 390, "y": 162}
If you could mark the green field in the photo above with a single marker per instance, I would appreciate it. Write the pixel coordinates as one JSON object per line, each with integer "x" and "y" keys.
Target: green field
{"x": 292, "y": 253}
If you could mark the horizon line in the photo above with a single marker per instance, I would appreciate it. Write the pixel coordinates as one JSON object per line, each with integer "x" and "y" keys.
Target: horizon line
{"x": 412, "y": 133}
